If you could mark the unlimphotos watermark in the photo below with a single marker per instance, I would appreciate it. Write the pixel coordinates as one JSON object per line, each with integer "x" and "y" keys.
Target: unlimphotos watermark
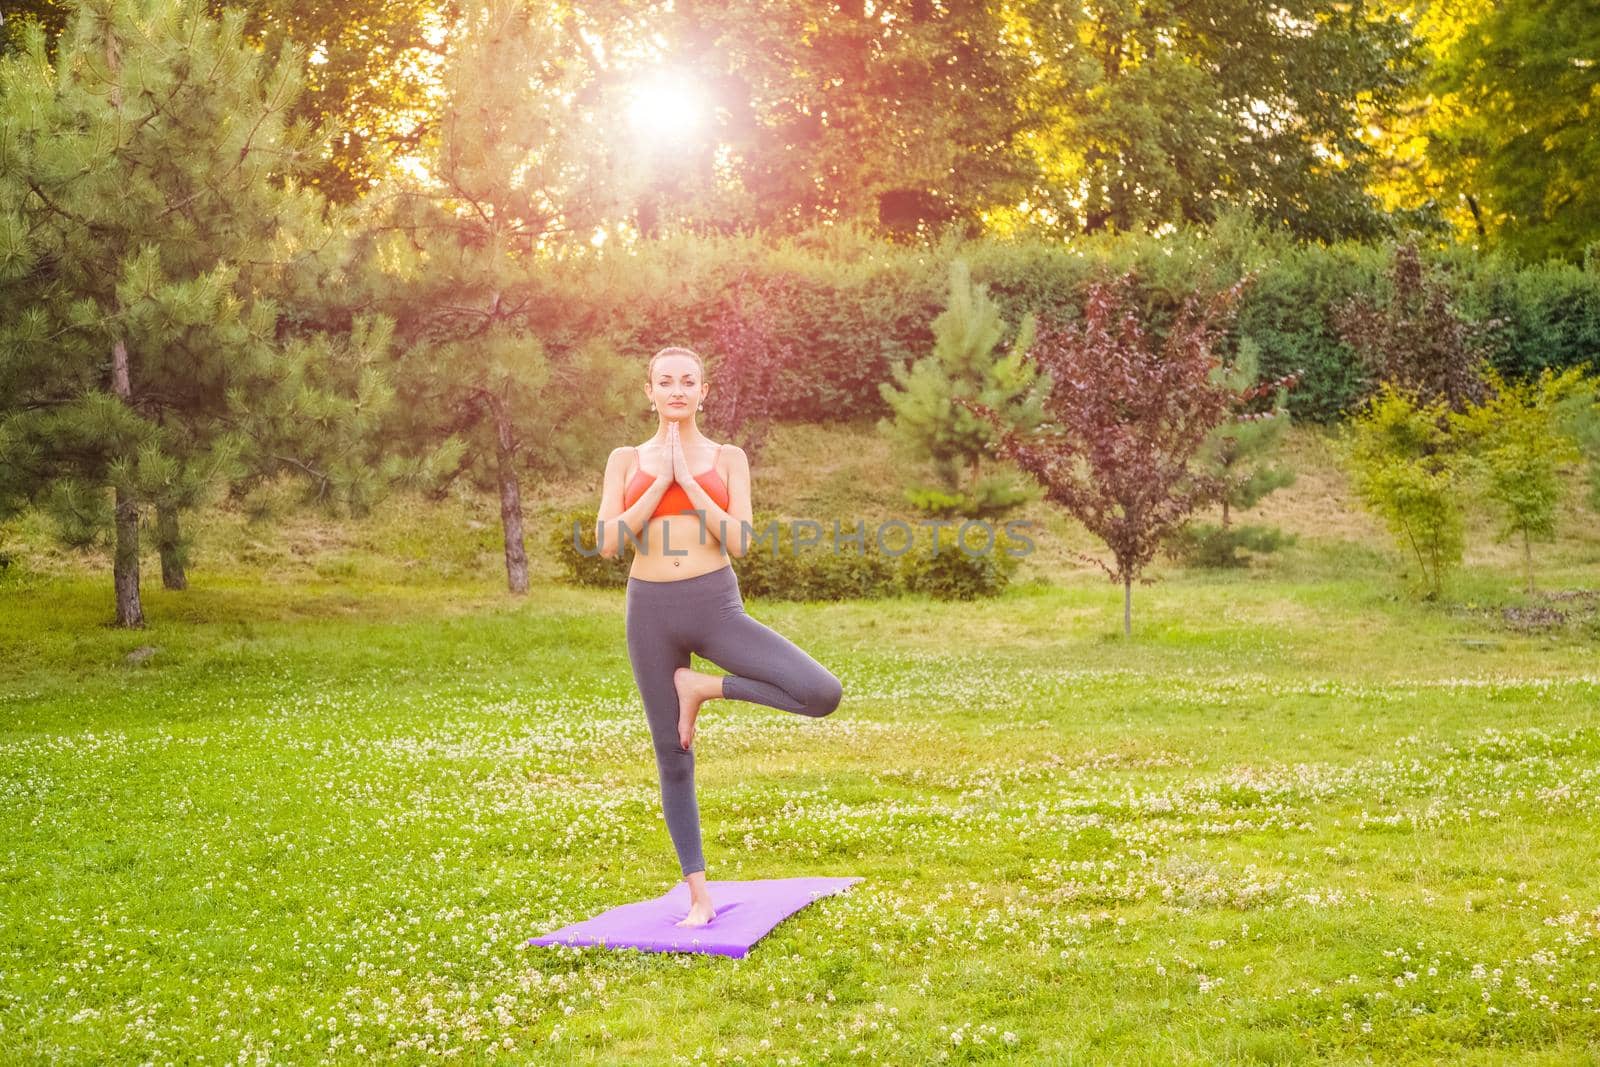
{"x": 806, "y": 533}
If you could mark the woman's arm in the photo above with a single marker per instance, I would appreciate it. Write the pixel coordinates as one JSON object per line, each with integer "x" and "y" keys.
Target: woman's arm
{"x": 726, "y": 524}
{"x": 612, "y": 517}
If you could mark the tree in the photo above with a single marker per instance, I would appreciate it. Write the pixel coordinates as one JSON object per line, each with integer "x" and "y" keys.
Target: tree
{"x": 900, "y": 116}
{"x": 147, "y": 216}
{"x": 1127, "y": 413}
{"x": 49, "y": 15}
{"x": 1518, "y": 447}
{"x": 373, "y": 65}
{"x": 371, "y": 68}
{"x": 1513, "y": 127}
{"x": 461, "y": 238}
{"x": 1424, "y": 180}
{"x": 1579, "y": 417}
{"x": 1417, "y": 341}
{"x": 1405, "y": 467}
{"x": 928, "y": 424}
{"x": 1236, "y": 452}
{"x": 1236, "y": 455}
{"x": 744, "y": 369}
{"x": 1150, "y": 114}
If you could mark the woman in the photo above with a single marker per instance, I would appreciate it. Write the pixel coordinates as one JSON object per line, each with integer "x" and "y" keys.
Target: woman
{"x": 683, "y": 596}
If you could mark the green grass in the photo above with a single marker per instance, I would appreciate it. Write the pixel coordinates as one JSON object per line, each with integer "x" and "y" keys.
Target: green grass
{"x": 1298, "y": 817}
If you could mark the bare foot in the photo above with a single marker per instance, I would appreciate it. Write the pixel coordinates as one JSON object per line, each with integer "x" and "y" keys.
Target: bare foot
{"x": 693, "y": 689}
{"x": 700, "y": 913}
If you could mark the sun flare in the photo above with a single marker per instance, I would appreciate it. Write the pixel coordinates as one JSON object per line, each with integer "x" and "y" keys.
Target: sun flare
{"x": 666, "y": 109}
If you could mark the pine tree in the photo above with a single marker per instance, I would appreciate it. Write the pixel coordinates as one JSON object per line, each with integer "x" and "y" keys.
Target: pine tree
{"x": 928, "y": 423}
{"x": 505, "y": 182}
{"x": 148, "y": 216}
{"x": 1236, "y": 452}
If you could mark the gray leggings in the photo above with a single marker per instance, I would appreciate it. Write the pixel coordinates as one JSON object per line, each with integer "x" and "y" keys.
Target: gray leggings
{"x": 665, "y": 622}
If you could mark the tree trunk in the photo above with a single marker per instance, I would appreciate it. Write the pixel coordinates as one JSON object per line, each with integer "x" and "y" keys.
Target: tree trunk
{"x": 169, "y": 540}
{"x": 125, "y": 566}
{"x": 1527, "y": 559}
{"x": 510, "y": 499}
{"x": 1127, "y": 605}
{"x": 1477, "y": 216}
{"x": 1224, "y": 513}
{"x": 125, "y": 562}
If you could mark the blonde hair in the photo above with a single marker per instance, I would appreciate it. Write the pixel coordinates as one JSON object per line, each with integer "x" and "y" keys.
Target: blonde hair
{"x": 675, "y": 350}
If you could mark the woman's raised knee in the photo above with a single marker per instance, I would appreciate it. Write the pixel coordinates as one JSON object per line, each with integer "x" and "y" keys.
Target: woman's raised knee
{"x": 824, "y": 696}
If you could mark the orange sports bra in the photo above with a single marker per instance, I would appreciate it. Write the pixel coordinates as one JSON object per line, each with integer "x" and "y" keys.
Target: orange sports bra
{"x": 675, "y": 500}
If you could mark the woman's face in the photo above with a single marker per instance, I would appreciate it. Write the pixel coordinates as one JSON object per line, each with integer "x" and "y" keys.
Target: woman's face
{"x": 675, "y": 387}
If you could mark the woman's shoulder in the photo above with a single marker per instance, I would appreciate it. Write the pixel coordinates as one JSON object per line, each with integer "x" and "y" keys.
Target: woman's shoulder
{"x": 624, "y": 457}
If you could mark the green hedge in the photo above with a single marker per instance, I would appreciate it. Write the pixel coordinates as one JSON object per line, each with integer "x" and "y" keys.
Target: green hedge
{"x": 850, "y": 306}
{"x": 774, "y": 568}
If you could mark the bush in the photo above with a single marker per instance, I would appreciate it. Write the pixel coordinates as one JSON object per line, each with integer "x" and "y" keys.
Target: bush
{"x": 942, "y": 568}
{"x": 847, "y": 308}
{"x": 1206, "y": 544}
{"x": 587, "y": 568}
{"x": 1400, "y": 456}
{"x": 821, "y": 569}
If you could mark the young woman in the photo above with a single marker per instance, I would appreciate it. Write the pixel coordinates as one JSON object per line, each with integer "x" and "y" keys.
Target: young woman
{"x": 683, "y": 596}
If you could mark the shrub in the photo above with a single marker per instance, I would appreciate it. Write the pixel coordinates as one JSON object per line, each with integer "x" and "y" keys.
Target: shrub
{"x": 1401, "y": 462}
{"x": 1517, "y": 450}
{"x": 587, "y": 568}
{"x": 845, "y": 309}
{"x": 939, "y": 566}
{"x": 824, "y": 570}
{"x": 821, "y": 569}
{"x": 1205, "y": 544}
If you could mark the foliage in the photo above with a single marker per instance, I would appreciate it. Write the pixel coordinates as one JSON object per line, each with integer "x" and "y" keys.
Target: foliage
{"x": 372, "y": 79}
{"x": 1418, "y": 341}
{"x": 942, "y": 566}
{"x": 50, "y": 16}
{"x": 845, "y": 308}
{"x": 914, "y": 118}
{"x": 1142, "y": 115}
{"x": 570, "y": 540}
{"x": 902, "y": 121}
{"x": 457, "y": 244}
{"x": 1236, "y": 453}
{"x": 742, "y": 370}
{"x": 801, "y": 560}
{"x": 1512, "y": 126}
{"x": 1327, "y": 119}
{"x": 1236, "y": 456}
{"x": 806, "y": 560}
{"x": 1404, "y": 468}
{"x": 1517, "y": 448}
{"x": 1579, "y": 415}
{"x": 1127, "y": 413}
{"x": 928, "y": 424}
{"x": 1205, "y": 544}
{"x": 149, "y": 219}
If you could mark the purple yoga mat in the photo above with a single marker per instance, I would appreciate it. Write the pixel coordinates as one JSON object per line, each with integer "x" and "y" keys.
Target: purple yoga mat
{"x": 745, "y": 912}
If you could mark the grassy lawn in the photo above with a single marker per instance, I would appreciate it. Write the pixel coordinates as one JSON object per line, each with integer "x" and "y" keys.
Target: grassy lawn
{"x": 1298, "y": 817}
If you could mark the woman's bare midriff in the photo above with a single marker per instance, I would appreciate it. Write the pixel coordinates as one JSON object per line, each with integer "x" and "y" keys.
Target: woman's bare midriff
{"x": 693, "y": 550}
